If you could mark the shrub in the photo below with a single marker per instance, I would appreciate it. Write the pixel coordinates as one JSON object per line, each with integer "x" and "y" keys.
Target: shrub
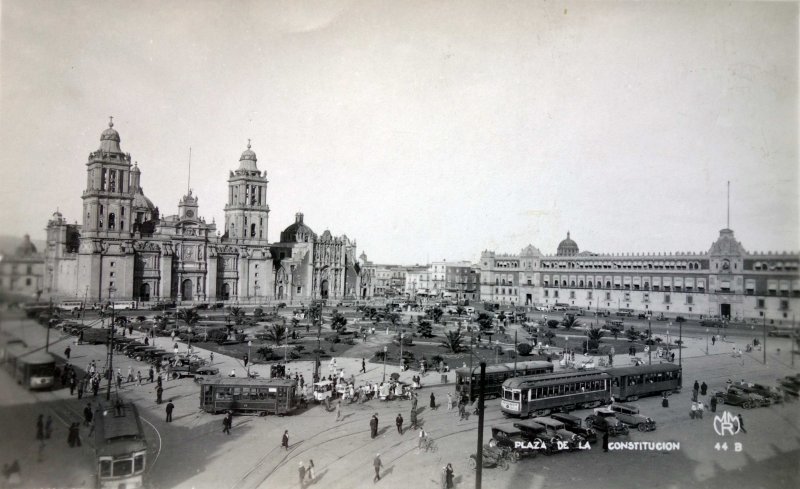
{"x": 552, "y": 323}
{"x": 524, "y": 348}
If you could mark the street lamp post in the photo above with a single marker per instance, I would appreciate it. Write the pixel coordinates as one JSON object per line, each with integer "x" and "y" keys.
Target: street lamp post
{"x": 402, "y": 335}
{"x": 110, "y": 345}
{"x": 496, "y": 350}
{"x": 649, "y": 338}
{"x": 249, "y": 358}
{"x": 385, "y": 349}
{"x": 706, "y": 341}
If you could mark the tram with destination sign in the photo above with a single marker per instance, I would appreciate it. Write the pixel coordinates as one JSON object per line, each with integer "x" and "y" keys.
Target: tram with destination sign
{"x": 248, "y": 396}
{"x": 120, "y": 447}
{"x": 559, "y": 391}
{"x": 631, "y": 383}
{"x": 495, "y": 376}
{"x": 32, "y": 369}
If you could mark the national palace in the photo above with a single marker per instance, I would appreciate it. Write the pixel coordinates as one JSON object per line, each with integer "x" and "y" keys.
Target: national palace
{"x": 125, "y": 249}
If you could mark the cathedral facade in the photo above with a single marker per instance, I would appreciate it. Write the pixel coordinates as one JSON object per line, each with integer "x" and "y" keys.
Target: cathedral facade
{"x": 125, "y": 249}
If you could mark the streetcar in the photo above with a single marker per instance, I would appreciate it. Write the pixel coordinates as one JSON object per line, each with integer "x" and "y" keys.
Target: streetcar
{"x": 631, "y": 383}
{"x": 560, "y": 391}
{"x": 120, "y": 447}
{"x": 32, "y": 369}
{"x": 495, "y": 376}
{"x": 248, "y": 395}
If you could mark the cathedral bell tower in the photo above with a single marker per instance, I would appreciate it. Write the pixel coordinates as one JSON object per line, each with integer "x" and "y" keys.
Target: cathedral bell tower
{"x": 247, "y": 212}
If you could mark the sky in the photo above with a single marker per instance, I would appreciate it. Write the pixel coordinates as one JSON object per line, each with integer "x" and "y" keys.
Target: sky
{"x": 424, "y": 130}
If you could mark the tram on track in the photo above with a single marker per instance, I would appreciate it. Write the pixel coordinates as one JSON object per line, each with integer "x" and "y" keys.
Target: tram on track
{"x": 120, "y": 447}
{"x": 631, "y": 383}
{"x": 33, "y": 369}
{"x": 248, "y": 396}
{"x": 495, "y": 376}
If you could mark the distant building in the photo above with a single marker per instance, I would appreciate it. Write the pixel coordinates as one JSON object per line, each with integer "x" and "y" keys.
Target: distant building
{"x": 22, "y": 272}
{"x": 126, "y": 250}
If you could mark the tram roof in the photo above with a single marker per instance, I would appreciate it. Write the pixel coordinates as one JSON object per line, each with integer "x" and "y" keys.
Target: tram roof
{"x": 119, "y": 435}
{"x": 21, "y": 351}
{"x": 506, "y": 367}
{"x": 643, "y": 369}
{"x": 248, "y": 382}
{"x": 554, "y": 378}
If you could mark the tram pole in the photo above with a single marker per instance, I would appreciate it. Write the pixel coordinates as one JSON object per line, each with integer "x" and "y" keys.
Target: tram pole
{"x": 515, "y": 352}
{"x": 765, "y": 339}
{"x": 479, "y": 468}
{"x": 49, "y": 322}
{"x": 110, "y": 350}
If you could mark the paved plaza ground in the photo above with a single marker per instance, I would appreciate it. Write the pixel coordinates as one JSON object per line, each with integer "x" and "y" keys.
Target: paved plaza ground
{"x": 192, "y": 452}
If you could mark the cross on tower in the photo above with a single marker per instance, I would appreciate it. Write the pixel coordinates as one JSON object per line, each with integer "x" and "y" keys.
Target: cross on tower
{"x": 111, "y": 121}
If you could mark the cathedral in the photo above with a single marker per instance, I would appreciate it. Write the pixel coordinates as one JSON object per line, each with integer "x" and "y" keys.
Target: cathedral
{"x": 126, "y": 250}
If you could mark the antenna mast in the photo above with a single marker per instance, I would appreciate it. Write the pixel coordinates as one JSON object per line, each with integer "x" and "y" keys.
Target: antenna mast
{"x": 729, "y": 205}
{"x": 189, "y": 179}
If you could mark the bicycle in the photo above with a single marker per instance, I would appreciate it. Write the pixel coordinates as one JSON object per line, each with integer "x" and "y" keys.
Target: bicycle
{"x": 429, "y": 445}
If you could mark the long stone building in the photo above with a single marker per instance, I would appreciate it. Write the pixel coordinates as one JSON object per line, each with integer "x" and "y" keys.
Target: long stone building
{"x": 125, "y": 249}
{"x": 726, "y": 281}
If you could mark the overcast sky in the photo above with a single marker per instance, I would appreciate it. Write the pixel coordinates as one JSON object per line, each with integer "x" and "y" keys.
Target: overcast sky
{"x": 424, "y": 130}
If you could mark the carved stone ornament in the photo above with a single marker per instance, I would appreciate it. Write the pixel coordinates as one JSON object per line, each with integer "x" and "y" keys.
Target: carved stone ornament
{"x": 212, "y": 251}
{"x": 167, "y": 249}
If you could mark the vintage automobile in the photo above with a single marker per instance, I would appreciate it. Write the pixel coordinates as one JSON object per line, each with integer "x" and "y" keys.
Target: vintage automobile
{"x": 790, "y": 385}
{"x": 766, "y": 391}
{"x": 575, "y": 425}
{"x": 509, "y": 437}
{"x": 629, "y": 414}
{"x": 537, "y": 437}
{"x": 558, "y": 430}
{"x": 606, "y": 420}
{"x": 493, "y": 456}
{"x": 737, "y": 397}
{"x": 322, "y": 390}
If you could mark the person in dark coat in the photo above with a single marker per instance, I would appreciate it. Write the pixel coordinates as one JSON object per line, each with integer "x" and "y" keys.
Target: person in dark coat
{"x": 605, "y": 441}
{"x": 373, "y": 425}
{"x": 227, "y": 422}
{"x": 433, "y": 401}
{"x": 413, "y": 419}
{"x": 695, "y": 391}
{"x": 377, "y": 464}
{"x": 664, "y": 401}
{"x": 67, "y": 352}
{"x": 399, "y": 422}
{"x": 741, "y": 424}
{"x": 170, "y": 407}
{"x": 449, "y": 477}
{"x": 285, "y": 440}
{"x": 159, "y": 393}
{"x": 703, "y": 388}
{"x": 87, "y": 414}
{"x": 713, "y": 404}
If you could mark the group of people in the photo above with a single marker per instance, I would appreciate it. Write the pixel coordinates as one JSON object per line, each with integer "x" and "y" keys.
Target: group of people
{"x": 698, "y": 407}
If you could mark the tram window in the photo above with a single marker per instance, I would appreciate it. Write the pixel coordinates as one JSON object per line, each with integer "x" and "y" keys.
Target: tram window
{"x": 615, "y": 383}
{"x": 105, "y": 468}
{"x": 138, "y": 463}
{"x": 515, "y": 394}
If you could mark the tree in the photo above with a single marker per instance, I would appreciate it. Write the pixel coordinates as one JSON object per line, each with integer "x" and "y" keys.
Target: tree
{"x": 594, "y": 336}
{"x": 501, "y": 317}
{"x": 632, "y": 334}
{"x": 258, "y": 313}
{"x": 549, "y": 335}
{"x": 485, "y": 321}
{"x": 338, "y": 322}
{"x": 238, "y": 315}
{"x": 276, "y": 333}
{"x": 524, "y": 348}
{"x": 162, "y": 322}
{"x": 452, "y": 341}
{"x": 615, "y": 331}
{"x": 266, "y": 353}
{"x": 552, "y": 323}
{"x": 189, "y": 316}
{"x": 570, "y": 322}
{"x": 425, "y": 329}
{"x": 460, "y": 310}
{"x": 393, "y": 318}
{"x": 436, "y": 314}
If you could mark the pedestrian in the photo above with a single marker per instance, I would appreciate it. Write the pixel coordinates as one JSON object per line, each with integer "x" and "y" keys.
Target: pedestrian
{"x": 285, "y": 440}
{"x": 81, "y": 386}
{"x": 40, "y": 428}
{"x": 433, "y": 401}
{"x": 713, "y": 339}
{"x": 605, "y": 441}
{"x": 67, "y": 352}
{"x": 700, "y": 409}
{"x": 72, "y": 385}
{"x": 703, "y": 388}
{"x": 363, "y": 366}
{"x": 695, "y": 391}
{"x": 449, "y": 476}
{"x": 170, "y": 407}
{"x": 713, "y": 404}
{"x": 693, "y": 410}
{"x": 48, "y": 427}
{"x": 227, "y": 422}
{"x": 130, "y": 373}
{"x": 462, "y": 411}
{"x": 422, "y": 439}
{"x": 373, "y": 426}
{"x": 139, "y": 377}
{"x": 338, "y": 410}
{"x": 443, "y": 478}
{"x": 119, "y": 381}
{"x": 310, "y": 470}
{"x": 247, "y": 359}
{"x": 377, "y": 464}
{"x": 87, "y": 414}
{"x": 449, "y": 401}
{"x": 741, "y": 424}
{"x": 664, "y": 400}
{"x": 150, "y": 375}
{"x": 413, "y": 419}
{"x": 302, "y": 473}
{"x": 399, "y": 422}
{"x": 73, "y": 436}
{"x": 211, "y": 357}
{"x": 414, "y": 401}
{"x": 302, "y": 382}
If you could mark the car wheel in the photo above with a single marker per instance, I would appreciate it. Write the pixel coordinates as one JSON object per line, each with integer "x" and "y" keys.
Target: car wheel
{"x": 747, "y": 405}
{"x": 473, "y": 464}
{"x": 515, "y": 456}
{"x": 503, "y": 464}
{"x": 642, "y": 427}
{"x": 175, "y": 375}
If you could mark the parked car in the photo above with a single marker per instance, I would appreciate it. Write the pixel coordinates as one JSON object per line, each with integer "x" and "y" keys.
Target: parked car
{"x": 780, "y": 333}
{"x": 766, "y": 391}
{"x": 790, "y": 385}
{"x": 575, "y": 425}
{"x": 509, "y": 437}
{"x": 537, "y": 435}
{"x": 604, "y": 420}
{"x": 205, "y": 372}
{"x": 629, "y": 414}
{"x": 737, "y": 397}
{"x": 711, "y": 323}
{"x": 558, "y": 430}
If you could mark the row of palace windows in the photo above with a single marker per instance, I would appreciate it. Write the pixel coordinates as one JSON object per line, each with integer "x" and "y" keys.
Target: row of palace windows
{"x": 646, "y": 286}
{"x": 764, "y": 266}
{"x": 503, "y": 291}
{"x": 630, "y": 266}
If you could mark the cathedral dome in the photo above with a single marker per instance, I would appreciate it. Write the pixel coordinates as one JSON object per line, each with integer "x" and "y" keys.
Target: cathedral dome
{"x": 248, "y": 159}
{"x": 141, "y": 202}
{"x": 298, "y": 232}
{"x": 567, "y": 247}
{"x": 27, "y": 248}
{"x": 109, "y": 139}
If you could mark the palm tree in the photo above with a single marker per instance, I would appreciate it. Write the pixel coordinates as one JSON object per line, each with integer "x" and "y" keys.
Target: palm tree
{"x": 452, "y": 341}
{"x": 339, "y": 322}
{"x": 276, "y": 333}
{"x": 570, "y": 322}
{"x": 189, "y": 316}
{"x": 424, "y": 329}
{"x": 594, "y": 336}
{"x": 238, "y": 315}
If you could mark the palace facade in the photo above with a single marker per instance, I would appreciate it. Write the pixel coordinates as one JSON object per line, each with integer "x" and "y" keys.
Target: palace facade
{"x": 125, "y": 249}
{"x": 726, "y": 281}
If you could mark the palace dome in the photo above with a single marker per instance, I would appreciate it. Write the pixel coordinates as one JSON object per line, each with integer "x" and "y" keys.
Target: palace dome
{"x": 567, "y": 247}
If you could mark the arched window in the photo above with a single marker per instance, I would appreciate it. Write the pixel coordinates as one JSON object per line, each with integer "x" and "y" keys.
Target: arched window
{"x": 112, "y": 221}
{"x": 252, "y": 230}
{"x": 608, "y": 284}
{"x": 580, "y": 283}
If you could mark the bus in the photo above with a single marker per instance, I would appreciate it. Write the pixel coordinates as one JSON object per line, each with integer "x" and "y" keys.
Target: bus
{"x": 34, "y": 370}
{"x": 559, "y": 391}
{"x": 631, "y": 383}
{"x": 467, "y": 386}
{"x": 248, "y": 396}
{"x": 122, "y": 305}
{"x": 71, "y": 306}
{"x": 120, "y": 447}
{"x": 623, "y": 312}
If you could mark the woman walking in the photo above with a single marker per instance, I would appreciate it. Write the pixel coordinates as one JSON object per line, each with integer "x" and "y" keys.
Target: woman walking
{"x": 433, "y": 401}
{"x": 310, "y": 470}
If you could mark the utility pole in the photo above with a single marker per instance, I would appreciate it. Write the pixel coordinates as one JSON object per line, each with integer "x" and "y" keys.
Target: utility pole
{"x": 110, "y": 347}
{"x": 479, "y": 468}
{"x": 765, "y": 334}
{"x": 649, "y": 337}
{"x": 515, "y": 352}
{"x": 49, "y": 321}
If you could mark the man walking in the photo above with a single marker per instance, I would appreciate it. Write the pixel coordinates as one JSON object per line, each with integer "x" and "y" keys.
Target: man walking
{"x": 338, "y": 410}
{"x": 399, "y": 422}
{"x": 413, "y": 419}
{"x": 741, "y": 424}
{"x": 170, "y": 407}
{"x": 87, "y": 414}
{"x": 605, "y": 441}
{"x": 227, "y": 422}
{"x": 302, "y": 473}
{"x": 377, "y": 464}
{"x": 373, "y": 425}
{"x": 159, "y": 393}
{"x": 285, "y": 440}
{"x": 67, "y": 352}
{"x": 363, "y": 366}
